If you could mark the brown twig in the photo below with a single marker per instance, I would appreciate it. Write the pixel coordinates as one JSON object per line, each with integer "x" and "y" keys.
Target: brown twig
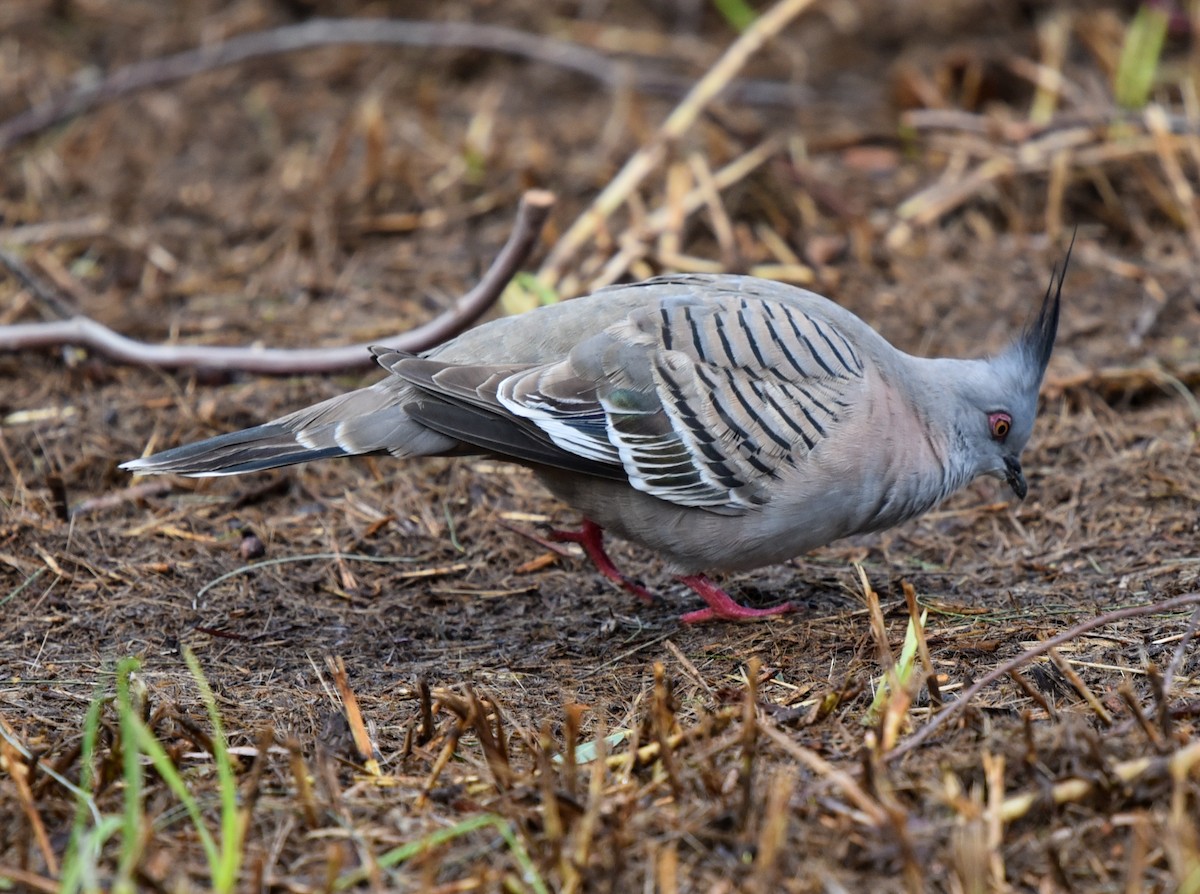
{"x": 1078, "y": 684}
{"x": 157, "y": 72}
{"x": 959, "y": 704}
{"x": 30, "y": 880}
{"x": 1125, "y": 690}
{"x": 18, "y": 771}
{"x": 1014, "y": 131}
{"x": 48, "y": 294}
{"x": 1177, "y": 659}
{"x": 870, "y": 809}
{"x": 914, "y": 614}
{"x": 1035, "y": 696}
{"x": 367, "y": 749}
{"x": 86, "y": 332}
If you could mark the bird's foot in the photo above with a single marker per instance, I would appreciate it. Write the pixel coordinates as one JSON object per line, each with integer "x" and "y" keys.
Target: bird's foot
{"x": 591, "y": 537}
{"x": 721, "y": 605}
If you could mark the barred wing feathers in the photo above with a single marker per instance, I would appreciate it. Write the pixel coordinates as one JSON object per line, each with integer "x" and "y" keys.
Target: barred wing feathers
{"x": 699, "y": 401}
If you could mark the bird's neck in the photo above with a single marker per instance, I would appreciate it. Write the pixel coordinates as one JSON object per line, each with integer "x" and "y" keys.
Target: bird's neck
{"x": 936, "y": 391}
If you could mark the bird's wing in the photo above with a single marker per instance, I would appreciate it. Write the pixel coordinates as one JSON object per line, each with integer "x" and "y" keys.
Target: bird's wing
{"x": 699, "y": 399}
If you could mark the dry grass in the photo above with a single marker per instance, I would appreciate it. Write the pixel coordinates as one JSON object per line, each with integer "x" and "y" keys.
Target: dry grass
{"x": 419, "y": 697}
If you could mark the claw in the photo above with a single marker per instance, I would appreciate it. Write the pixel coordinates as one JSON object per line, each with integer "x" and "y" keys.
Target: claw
{"x": 721, "y": 605}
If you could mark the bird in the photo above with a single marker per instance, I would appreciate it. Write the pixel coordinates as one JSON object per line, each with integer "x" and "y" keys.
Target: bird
{"x": 722, "y": 421}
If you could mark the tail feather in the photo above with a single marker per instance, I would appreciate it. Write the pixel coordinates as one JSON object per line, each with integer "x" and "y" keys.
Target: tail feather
{"x": 370, "y": 420}
{"x": 255, "y": 449}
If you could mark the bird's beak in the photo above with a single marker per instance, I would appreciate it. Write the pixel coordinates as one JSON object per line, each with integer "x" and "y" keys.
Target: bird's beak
{"x": 1015, "y": 478}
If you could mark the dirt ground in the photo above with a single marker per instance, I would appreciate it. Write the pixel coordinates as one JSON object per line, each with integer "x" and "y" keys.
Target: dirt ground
{"x": 925, "y": 165}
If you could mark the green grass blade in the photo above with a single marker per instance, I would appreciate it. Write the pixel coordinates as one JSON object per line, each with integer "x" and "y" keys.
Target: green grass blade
{"x": 158, "y": 756}
{"x": 525, "y": 292}
{"x": 903, "y": 672}
{"x": 21, "y": 586}
{"x": 131, "y": 773}
{"x": 405, "y": 852}
{"x": 1140, "y": 55}
{"x": 738, "y": 14}
{"x": 225, "y": 872}
{"x": 83, "y": 847}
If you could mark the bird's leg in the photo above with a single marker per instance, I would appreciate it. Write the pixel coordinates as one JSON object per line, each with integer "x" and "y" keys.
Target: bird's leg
{"x": 721, "y": 605}
{"x": 591, "y": 537}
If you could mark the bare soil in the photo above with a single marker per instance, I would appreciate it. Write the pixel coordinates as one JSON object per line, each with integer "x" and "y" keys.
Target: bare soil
{"x": 344, "y": 193}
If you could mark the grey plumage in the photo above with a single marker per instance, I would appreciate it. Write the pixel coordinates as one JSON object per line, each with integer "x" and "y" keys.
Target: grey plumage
{"x": 725, "y": 422}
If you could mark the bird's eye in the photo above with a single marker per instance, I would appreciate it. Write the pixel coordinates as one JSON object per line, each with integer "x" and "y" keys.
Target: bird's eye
{"x": 1001, "y": 425}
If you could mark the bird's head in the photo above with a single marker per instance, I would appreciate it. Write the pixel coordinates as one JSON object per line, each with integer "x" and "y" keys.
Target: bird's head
{"x": 1001, "y": 393}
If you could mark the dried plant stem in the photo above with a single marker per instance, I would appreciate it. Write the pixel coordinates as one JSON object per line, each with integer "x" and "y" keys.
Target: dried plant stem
{"x": 993, "y": 816}
{"x": 749, "y": 740}
{"x": 358, "y": 729}
{"x": 86, "y": 332}
{"x": 654, "y": 152}
{"x": 302, "y": 779}
{"x": 990, "y": 151}
{"x": 1078, "y": 684}
{"x": 878, "y": 626}
{"x": 1034, "y": 695}
{"x": 914, "y": 615}
{"x": 1135, "y": 708}
{"x": 647, "y": 754}
{"x": 1181, "y": 190}
{"x": 1180, "y": 650}
{"x": 772, "y": 838}
{"x": 1120, "y": 382}
{"x": 18, "y": 771}
{"x": 443, "y": 758}
{"x": 30, "y": 880}
{"x": 585, "y": 829}
{"x": 872, "y": 810}
{"x": 959, "y": 704}
{"x": 663, "y": 720}
{"x": 44, "y": 293}
{"x": 1179, "y": 765}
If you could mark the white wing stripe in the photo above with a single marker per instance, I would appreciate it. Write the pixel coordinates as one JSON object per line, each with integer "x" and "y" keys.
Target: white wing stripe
{"x": 702, "y": 403}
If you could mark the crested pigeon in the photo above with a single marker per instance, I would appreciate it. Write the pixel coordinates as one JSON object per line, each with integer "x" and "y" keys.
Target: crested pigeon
{"x": 725, "y": 422}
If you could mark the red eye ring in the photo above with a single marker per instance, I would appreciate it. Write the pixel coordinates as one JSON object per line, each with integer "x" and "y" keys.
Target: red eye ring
{"x": 1000, "y": 424}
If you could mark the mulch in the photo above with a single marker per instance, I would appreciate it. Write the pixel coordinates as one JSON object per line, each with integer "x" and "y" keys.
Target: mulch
{"x": 398, "y": 662}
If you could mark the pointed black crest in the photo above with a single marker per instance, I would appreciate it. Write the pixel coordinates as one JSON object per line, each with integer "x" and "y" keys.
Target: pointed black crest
{"x": 1038, "y": 339}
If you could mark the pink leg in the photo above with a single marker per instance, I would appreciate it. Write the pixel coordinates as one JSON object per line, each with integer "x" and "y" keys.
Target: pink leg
{"x": 591, "y": 537}
{"x": 721, "y": 606}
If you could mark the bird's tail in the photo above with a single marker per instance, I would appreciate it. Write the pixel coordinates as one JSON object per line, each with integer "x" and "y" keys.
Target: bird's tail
{"x": 370, "y": 420}
{"x": 250, "y": 450}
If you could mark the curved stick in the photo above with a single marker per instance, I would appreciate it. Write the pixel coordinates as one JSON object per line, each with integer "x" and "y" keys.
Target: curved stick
{"x": 86, "y": 332}
{"x": 314, "y": 33}
{"x": 614, "y": 73}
